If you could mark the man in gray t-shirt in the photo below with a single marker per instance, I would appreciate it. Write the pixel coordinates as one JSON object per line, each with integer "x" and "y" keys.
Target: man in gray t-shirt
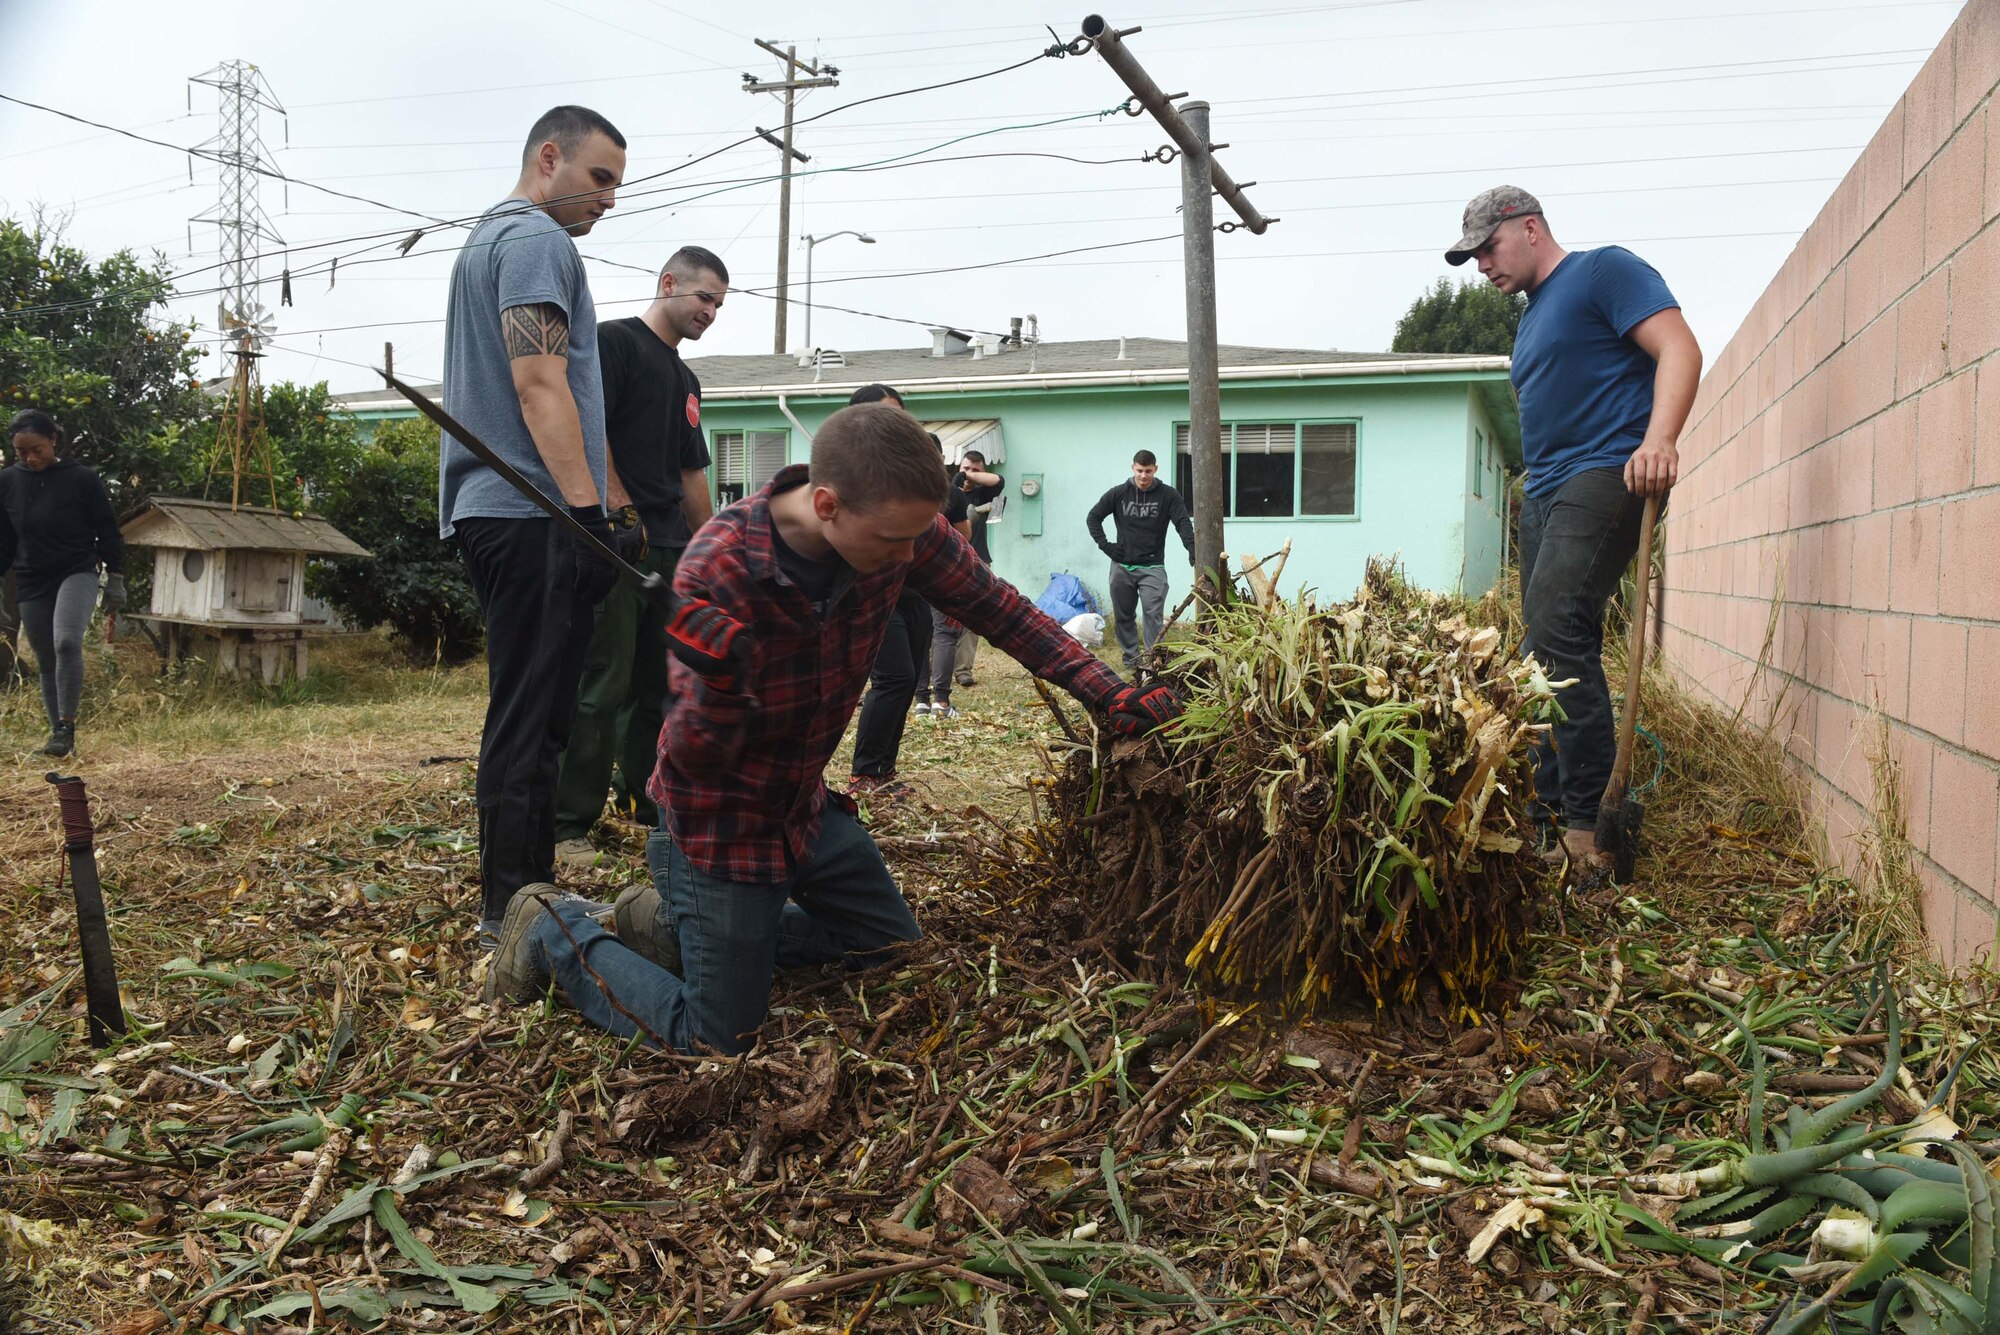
{"x": 520, "y": 353}
{"x": 516, "y": 258}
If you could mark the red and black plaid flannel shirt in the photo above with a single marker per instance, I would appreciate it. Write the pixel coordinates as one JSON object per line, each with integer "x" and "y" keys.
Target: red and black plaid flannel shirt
{"x": 742, "y": 786}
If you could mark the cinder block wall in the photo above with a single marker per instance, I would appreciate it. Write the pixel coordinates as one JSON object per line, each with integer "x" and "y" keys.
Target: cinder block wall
{"x": 1840, "y": 493}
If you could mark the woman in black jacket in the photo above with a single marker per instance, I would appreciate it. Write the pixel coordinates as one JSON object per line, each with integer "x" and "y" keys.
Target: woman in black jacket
{"x": 56, "y": 527}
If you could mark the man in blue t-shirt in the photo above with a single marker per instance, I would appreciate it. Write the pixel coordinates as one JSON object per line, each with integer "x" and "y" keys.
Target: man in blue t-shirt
{"x": 1605, "y": 369}
{"x": 521, "y": 370}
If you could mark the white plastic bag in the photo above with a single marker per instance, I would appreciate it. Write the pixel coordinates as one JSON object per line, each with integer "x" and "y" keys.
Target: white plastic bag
{"x": 1087, "y": 628}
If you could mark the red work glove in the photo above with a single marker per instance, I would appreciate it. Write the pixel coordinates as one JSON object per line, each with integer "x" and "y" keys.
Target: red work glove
{"x": 1140, "y": 709}
{"x": 713, "y": 643}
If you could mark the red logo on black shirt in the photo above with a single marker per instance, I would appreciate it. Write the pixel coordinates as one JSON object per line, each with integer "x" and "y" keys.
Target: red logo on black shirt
{"x": 694, "y": 410}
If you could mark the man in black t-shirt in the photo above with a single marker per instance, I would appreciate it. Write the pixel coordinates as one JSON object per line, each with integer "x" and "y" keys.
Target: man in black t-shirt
{"x": 659, "y": 460}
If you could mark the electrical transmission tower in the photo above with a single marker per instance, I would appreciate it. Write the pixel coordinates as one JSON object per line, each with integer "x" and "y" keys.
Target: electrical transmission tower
{"x": 799, "y": 75}
{"x": 244, "y": 228}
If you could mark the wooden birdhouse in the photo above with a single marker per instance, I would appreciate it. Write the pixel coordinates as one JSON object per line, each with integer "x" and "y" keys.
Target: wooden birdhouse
{"x": 229, "y": 584}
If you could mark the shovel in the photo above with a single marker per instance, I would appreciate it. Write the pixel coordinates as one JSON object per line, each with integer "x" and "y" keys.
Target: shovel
{"x": 1619, "y": 818}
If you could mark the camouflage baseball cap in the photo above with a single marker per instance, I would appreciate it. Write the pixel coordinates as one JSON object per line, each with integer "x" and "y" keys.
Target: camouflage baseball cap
{"x": 1486, "y": 212}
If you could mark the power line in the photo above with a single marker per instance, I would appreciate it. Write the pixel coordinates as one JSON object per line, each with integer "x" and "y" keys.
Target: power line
{"x": 1248, "y": 255}
{"x": 211, "y": 157}
{"x": 1056, "y": 51}
{"x": 318, "y": 268}
{"x": 1815, "y": 12}
{"x": 384, "y": 239}
{"x": 630, "y": 32}
{"x": 502, "y": 88}
{"x": 1179, "y": 21}
{"x": 411, "y": 241}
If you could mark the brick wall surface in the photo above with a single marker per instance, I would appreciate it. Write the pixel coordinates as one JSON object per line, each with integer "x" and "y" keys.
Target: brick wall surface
{"x": 1838, "y": 515}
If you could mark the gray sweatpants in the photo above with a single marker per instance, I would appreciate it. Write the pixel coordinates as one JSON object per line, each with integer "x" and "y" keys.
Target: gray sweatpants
{"x": 55, "y": 629}
{"x": 946, "y": 636}
{"x": 1131, "y": 590}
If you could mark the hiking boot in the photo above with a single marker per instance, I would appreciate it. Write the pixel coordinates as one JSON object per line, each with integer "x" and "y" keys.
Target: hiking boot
{"x": 965, "y": 679}
{"x": 513, "y": 974}
{"x": 62, "y": 740}
{"x": 635, "y": 918}
{"x": 579, "y": 854}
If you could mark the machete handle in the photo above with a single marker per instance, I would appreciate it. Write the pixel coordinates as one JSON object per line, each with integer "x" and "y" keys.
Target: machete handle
{"x": 659, "y": 592}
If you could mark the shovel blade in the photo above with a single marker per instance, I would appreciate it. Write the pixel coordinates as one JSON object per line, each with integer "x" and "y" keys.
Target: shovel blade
{"x": 1618, "y": 829}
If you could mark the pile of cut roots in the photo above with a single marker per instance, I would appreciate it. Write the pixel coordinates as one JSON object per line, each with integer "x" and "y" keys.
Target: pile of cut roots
{"x": 1341, "y": 812}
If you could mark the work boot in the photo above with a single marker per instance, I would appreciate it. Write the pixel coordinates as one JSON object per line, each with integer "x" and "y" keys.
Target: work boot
{"x": 513, "y": 974}
{"x": 636, "y": 918}
{"x": 62, "y": 739}
{"x": 578, "y": 854}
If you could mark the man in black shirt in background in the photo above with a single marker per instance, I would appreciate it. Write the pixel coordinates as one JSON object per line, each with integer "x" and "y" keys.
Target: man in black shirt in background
{"x": 901, "y": 664}
{"x": 981, "y": 487}
{"x": 659, "y": 459}
{"x": 1142, "y": 508}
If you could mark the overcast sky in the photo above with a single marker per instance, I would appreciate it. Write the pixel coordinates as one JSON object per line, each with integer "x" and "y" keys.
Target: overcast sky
{"x": 1703, "y": 134}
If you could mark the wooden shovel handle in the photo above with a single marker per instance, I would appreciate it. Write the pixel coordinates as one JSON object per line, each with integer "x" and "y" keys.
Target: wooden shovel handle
{"x": 1628, "y": 716}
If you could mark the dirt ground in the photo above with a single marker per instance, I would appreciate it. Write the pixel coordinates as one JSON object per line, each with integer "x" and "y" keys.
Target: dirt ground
{"x": 315, "y": 1120}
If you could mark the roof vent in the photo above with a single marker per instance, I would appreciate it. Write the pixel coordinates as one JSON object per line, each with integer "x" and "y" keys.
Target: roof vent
{"x": 946, "y": 341}
{"x": 1121, "y": 350}
{"x": 822, "y": 357}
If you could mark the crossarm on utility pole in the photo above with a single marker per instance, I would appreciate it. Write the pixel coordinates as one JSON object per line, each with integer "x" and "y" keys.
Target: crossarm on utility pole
{"x": 796, "y": 78}
{"x": 1201, "y": 180}
{"x": 1110, "y": 43}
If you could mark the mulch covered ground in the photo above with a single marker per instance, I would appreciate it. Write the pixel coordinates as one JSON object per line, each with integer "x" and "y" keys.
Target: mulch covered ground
{"x": 315, "y": 1121}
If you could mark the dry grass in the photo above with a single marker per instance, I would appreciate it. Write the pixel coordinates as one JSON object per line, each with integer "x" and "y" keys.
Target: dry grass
{"x": 302, "y": 941}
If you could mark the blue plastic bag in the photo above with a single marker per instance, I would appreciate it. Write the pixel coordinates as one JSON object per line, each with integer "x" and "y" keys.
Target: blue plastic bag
{"x": 1066, "y": 597}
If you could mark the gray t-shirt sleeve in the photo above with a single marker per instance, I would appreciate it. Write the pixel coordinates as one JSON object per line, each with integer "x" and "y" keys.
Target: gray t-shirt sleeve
{"x": 532, "y": 264}
{"x": 516, "y": 256}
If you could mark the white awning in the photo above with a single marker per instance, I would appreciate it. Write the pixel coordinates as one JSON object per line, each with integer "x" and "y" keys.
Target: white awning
{"x": 982, "y": 434}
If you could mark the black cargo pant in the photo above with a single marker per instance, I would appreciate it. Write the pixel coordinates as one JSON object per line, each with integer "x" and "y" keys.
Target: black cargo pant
{"x": 904, "y": 657}
{"x": 1575, "y": 544}
{"x": 537, "y": 600}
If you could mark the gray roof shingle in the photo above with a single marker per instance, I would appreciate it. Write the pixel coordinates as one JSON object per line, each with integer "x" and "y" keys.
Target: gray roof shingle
{"x": 912, "y": 366}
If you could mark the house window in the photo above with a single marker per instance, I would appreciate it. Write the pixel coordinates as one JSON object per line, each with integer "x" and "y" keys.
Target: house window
{"x": 1280, "y": 470}
{"x": 745, "y": 461}
{"x": 1327, "y": 467}
{"x": 1478, "y": 463}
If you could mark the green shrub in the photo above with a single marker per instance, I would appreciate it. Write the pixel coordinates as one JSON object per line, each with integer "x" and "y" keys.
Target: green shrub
{"x": 416, "y": 584}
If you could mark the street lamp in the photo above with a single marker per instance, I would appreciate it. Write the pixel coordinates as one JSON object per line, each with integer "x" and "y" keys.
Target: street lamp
{"x": 812, "y": 241}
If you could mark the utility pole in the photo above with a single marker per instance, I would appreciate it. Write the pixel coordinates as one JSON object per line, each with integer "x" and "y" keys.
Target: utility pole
{"x": 798, "y": 75}
{"x": 1201, "y": 179}
{"x": 238, "y": 146}
{"x": 1204, "y": 359}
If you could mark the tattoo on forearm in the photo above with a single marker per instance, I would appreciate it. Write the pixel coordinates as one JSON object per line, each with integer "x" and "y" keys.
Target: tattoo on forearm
{"x": 535, "y": 331}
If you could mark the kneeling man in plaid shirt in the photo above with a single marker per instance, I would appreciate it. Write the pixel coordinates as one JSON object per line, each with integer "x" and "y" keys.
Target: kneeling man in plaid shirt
{"x": 756, "y": 865}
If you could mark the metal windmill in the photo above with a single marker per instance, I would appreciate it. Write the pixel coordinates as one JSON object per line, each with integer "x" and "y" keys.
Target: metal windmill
{"x": 244, "y": 230}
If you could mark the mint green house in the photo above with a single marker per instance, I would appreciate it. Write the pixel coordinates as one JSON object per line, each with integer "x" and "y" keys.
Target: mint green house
{"x": 1348, "y": 455}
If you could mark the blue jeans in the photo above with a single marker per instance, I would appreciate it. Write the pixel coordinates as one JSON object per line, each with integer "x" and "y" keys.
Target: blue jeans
{"x": 840, "y": 905}
{"x": 1575, "y": 544}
